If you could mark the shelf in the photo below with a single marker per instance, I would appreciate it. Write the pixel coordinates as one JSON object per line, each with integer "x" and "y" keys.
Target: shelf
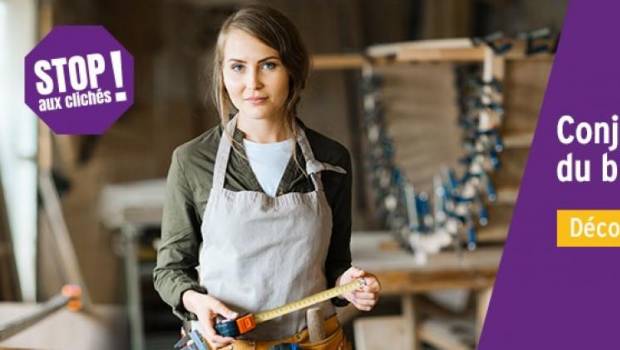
{"x": 393, "y": 49}
{"x": 450, "y": 50}
{"x": 338, "y": 61}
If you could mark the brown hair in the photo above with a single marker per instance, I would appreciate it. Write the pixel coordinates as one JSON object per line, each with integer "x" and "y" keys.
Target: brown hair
{"x": 275, "y": 30}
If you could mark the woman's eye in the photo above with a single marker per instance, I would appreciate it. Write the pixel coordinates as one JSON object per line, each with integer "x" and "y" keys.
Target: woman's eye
{"x": 269, "y": 65}
{"x": 236, "y": 67}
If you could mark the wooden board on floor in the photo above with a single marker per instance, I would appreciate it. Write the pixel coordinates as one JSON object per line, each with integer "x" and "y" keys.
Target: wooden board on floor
{"x": 447, "y": 334}
{"x": 378, "y": 333}
{"x": 105, "y": 329}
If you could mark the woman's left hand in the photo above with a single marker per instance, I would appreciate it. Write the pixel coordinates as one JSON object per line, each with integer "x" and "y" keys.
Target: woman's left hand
{"x": 366, "y": 297}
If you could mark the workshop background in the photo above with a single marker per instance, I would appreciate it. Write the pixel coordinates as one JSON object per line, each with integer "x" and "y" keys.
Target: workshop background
{"x": 86, "y": 209}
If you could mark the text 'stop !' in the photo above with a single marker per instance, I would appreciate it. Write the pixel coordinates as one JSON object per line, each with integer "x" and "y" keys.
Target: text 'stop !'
{"x": 79, "y": 80}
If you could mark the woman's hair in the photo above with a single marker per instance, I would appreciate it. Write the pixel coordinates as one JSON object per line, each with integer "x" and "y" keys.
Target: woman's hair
{"x": 275, "y": 30}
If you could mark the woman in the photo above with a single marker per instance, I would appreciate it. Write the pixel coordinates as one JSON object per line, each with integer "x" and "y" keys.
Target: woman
{"x": 261, "y": 203}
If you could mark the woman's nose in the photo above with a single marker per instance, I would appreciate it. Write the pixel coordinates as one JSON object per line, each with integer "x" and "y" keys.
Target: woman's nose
{"x": 253, "y": 80}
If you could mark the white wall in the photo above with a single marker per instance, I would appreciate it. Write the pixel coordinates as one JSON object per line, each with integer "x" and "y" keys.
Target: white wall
{"x": 18, "y": 136}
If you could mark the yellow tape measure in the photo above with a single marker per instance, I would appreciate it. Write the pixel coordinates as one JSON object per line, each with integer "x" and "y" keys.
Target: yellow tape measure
{"x": 308, "y": 301}
{"x": 246, "y": 323}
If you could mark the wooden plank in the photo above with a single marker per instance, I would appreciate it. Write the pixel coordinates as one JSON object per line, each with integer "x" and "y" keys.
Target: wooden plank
{"x": 104, "y": 328}
{"x": 415, "y": 55}
{"x": 64, "y": 245}
{"x": 483, "y": 298}
{"x": 390, "y": 49}
{"x": 338, "y": 61}
{"x": 420, "y": 114}
{"x": 410, "y": 322}
{"x": 398, "y": 282}
{"x": 374, "y": 333}
{"x": 518, "y": 140}
{"x": 379, "y": 333}
{"x": 495, "y": 233}
{"x": 399, "y": 273}
{"x": 379, "y": 250}
{"x": 458, "y": 50}
{"x": 440, "y": 335}
{"x": 507, "y": 195}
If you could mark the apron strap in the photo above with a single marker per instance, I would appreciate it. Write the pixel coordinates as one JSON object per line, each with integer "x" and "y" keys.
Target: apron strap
{"x": 311, "y": 163}
{"x": 313, "y": 167}
{"x": 223, "y": 152}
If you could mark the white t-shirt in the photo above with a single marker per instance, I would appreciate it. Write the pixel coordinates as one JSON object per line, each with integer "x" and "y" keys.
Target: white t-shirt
{"x": 268, "y": 161}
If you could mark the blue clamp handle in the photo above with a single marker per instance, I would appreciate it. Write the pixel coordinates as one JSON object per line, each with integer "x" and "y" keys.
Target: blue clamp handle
{"x": 472, "y": 238}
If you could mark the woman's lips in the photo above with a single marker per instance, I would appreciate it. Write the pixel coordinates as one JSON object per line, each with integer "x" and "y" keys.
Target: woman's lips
{"x": 256, "y": 100}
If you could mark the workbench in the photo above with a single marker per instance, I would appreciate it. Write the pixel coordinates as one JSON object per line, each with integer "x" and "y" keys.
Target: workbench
{"x": 400, "y": 275}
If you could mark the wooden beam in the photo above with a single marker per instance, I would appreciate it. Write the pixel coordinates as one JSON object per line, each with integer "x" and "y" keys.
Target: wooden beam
{"x": 104, "y": 328}
{"x": 380, "y": 332}
{"x": 399, "y": 273}
{"x": 520, "y": 140}
{"x": 517, "y": 53}
{"x": 441, "y": 50}
{"x": 69, "y": 261}
{"x": 439, "y": 334}
{"x": 455, "y": 50}
{"x": 483, "y": 299}
{"x": 472, "y": 54}
{"x": 393, "y": 49}
{"x": 507, "y": 195}
{"x": 338, "y": 61}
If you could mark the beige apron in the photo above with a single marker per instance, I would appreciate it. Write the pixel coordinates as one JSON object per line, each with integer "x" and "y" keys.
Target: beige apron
{"x": 260, "y": 252}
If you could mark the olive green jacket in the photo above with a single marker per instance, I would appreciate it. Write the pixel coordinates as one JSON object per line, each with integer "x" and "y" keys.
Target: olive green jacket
{"x": 187, "y": 191}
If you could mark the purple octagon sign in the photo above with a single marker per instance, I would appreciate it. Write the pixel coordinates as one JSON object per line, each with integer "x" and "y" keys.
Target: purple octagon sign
{"x": 79, "y": 80}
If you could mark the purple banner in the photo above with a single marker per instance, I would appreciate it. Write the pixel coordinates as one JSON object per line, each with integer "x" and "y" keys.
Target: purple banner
{"x": 549, "y": 296}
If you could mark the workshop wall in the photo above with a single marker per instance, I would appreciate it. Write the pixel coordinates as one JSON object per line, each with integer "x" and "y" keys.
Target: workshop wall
{"x": 171, "y": 48}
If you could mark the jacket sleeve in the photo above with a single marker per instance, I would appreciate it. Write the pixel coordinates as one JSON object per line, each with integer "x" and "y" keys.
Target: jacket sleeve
{"x": 178, "y": 251}
{"x": 339, "y": 254}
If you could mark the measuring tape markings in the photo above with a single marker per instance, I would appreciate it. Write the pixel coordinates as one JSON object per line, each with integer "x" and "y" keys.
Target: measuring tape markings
{"x": 308, "y": 301}
{"x": 248, "y": 322}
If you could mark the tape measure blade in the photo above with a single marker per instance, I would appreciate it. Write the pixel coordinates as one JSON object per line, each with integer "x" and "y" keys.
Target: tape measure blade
{"x": 308, "y": 301}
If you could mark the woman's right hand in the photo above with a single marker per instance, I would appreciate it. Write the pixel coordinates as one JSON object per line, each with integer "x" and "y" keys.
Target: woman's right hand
{"x": 207, "y": 308}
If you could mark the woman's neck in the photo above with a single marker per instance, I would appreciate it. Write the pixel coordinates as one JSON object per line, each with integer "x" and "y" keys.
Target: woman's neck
{"x": 263, "y": 130}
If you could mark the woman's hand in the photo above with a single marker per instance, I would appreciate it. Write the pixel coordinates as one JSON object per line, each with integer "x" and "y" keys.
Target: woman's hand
{"x": 207, "y": 308}
{"x": 364, "y": 298}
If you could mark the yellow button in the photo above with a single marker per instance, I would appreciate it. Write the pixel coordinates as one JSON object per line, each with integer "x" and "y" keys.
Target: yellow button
{"x": 588, "y": 228}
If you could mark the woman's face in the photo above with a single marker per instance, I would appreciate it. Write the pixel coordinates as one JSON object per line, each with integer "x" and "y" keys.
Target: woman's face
{"x": 256, "y": 80}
